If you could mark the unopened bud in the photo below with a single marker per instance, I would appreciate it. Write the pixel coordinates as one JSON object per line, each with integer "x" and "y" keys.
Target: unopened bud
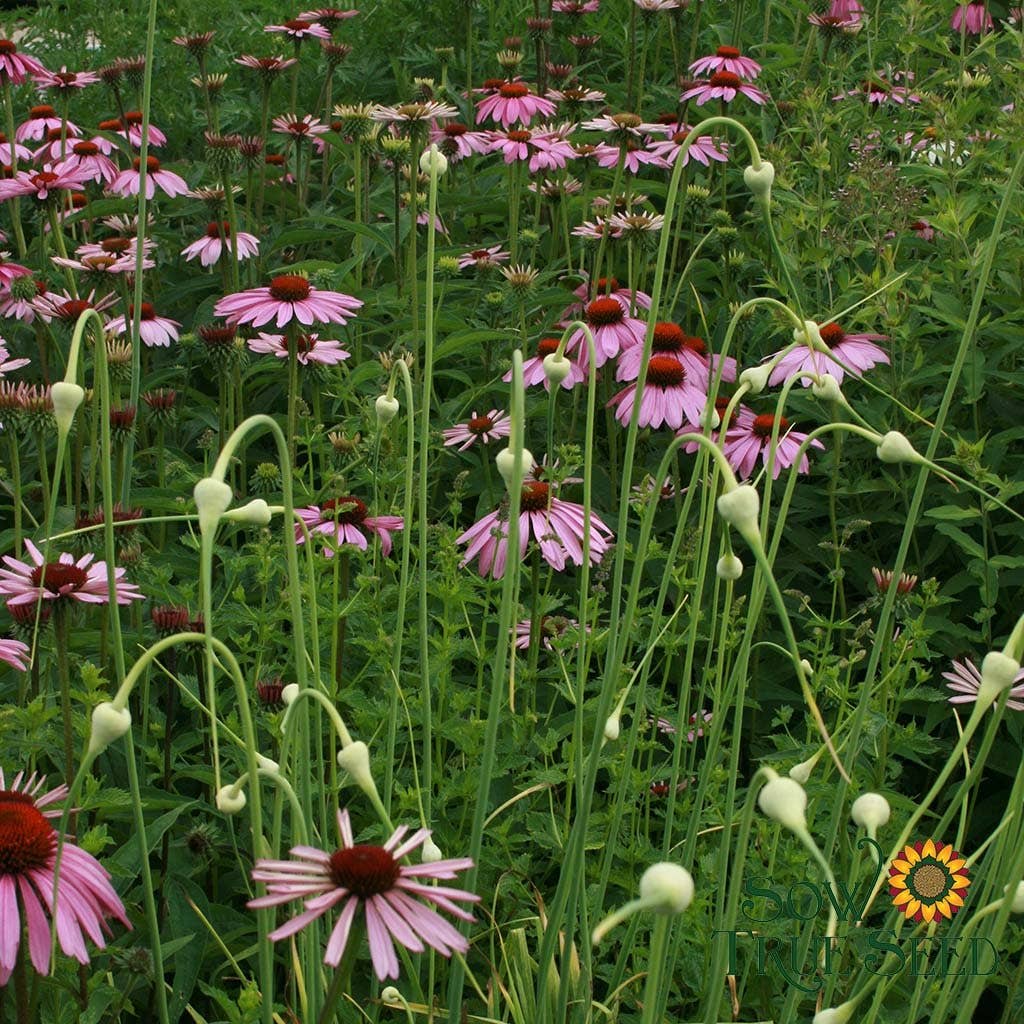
{"x": 430, "y": 852}
{"x": 355, "y": 759}
{"x": 759, "y": 180}
{"x": 212, "y": 497}
{"x": 556, "y": 367}
{"x": 256, "y": 513}
{"x": 810, "y": 334}
{"x": 709, "y": 418}
{"x": 739, "y": 507}
{"x": 826, "y": 388}
{"x": 1017, "y": 903}
{"x": 998, "y": 672}
{"x": 67, "y": 397}
{"x": 729, "y": 567}
{"x": 666, "y": 888}
{"x": 802, "y": 772}
{"x": 387, "y": 409}
{"x": 109, "y": 723}
{"x": 870, "y": 811}
{"x": 612, "y": 727}
{"x": 896, "y": 448}
{"x": 289, "y": 693}
{"x": 784, "y": 800}
{"x": 391, "y": 996}
{"x": 505, "y": 461}
{"x": 756, "y": 378}
{"x": 230, "y": 799}
{"x": 266, "y": 764}
{"x": 433, "y": 160}
{"x": 835, "y": 1014}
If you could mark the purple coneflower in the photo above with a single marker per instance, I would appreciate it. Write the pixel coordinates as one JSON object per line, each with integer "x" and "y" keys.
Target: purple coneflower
{"x": 158, "y": 331}
{"x": 41, "y": 120}
{"x": 483, "y": 258}
{"x": 79, "y": 580}
{"x": 14, "y": 653}
{"x": 972, "y": 18}
{"x": 6, "y": 148}
{"x": 878, "y": 91}
{"x": 558, "y": 526}
{"x": 209, "y": 246}
{"x": 6, "y": 363}
{"x": 965, "y": 680}
{"x": 300, "y": 28}
{"x": 64, "y": 81}
{"x": 669, "y": 397}
{"x": 64, "y": 306}
{"x": 127, "y": 182}
{"x": 725, "y": 86}
{"x": 87, "y": 155}
{"x": 513, "y": 102}
{"x": 551, "y": 627}
{"x": 494, "y": 425}
{"x": 288, "y": 297}
{"x": 702, "y": 149}
{"x": 133, "y": 133}
{"x": 855, "y": 352}
{"x": 43, "y": 185}
{"x": 344, "y": 521}
{"x": 745, "y": 441}
{"x": 10, "y": 271}
{"x": 15, "y": 66}
{"x": 457, "y": 141}
{"x": 299, "y": 127}
{"x": 884, "y": 580}
{"x": 29, "y": 878}
{"x": 328, "y": 14}
{"x": 613, "y": 330}
{"x": 394, "y": 896}
{"x": 727, "y": 58}
{"x": 309, "y": 348}
{"x": 575, "y": 6}
{"x": 670, "y": 340}
{"x": 268, "y": 67}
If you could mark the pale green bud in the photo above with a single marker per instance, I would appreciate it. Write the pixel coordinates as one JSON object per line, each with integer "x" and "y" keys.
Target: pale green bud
{"x": 666, "y": 888}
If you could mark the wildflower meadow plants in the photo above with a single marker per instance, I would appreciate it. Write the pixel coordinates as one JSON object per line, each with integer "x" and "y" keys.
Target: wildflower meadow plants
{"x": 323, "y": 698}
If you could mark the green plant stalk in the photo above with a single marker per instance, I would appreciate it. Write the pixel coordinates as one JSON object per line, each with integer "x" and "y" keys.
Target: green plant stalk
{"x": 422, "y": 510}
{"x": 140, "y": 231}
{"x": 509, "y": 603}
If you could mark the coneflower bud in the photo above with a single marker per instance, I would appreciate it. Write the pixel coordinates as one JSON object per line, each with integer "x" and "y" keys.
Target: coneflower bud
{"x": 870, "y": 811}
{"x": 430, "y": 852}
{"x": 613, "y": 726}
{"x": 289, "y": 693}
{"x": 835, "y": 1014}
{"x": 521, "y": 279}
{"x": 221, "y": 151}
{"x": 998, "y": 673}
{"x": 729, "y": 567}
{"x": 739, "y": 508}
{"x": 434, "y": 160}
{"x": 212, "y": 499}
{"x": 1017, "y": 903}
{"x": 756, "y": 378}
{"x": 169, "y": 618}
{"x": 109, "y": 723}
{"x": 666, "y": 888}
{"x": 67, "y": 397}
{"x": 784, "y": 800}
{"x": 386, "y": 408}
{"x": 231, "y": 799}
{"x": 255, "y": 513}
{"x": 505, "y": 461}
{"x": 556, "y": 367}
{"x": 826, "y": 388}
{"x": 802, "y": 772}
{"x": 759, "y": 181}
{"x": 896, "y": 448}
{"x": 355, "y": 759}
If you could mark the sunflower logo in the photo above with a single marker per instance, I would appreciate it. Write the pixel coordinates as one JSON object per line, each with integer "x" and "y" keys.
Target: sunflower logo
{"x": 928, "y": 880}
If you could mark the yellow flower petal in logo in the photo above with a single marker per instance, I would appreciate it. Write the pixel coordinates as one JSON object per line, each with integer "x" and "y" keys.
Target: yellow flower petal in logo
{"x": 928, "y": 881}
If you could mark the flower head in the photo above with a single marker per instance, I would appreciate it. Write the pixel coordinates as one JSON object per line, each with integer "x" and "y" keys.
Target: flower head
{"x": 513, "y": 102}
{"x": 29, "y": 878}
{"x": 80, "y": 580}
{"x": 300, "y": 28}
{"x": 288, "y": 297}
{"x": 748, "y": 439}
{"x": 14, "y": 653}
{"x": 14, "y": 66}
{"x": 153, "y": 329}
{"x": 972, "y": 19}
{"x": 727, "y": 58}
{"x": 490, "y": 427}
{"x": 128, "y": 182}
{"x": 394, "y": 897}
{"x": 854, "y": 353}
{"x": 558, "y": 526}
{"x": 669, "y": 397}
{"x": 345, "y": 521}
{"x": 965, "y": 679}
{"x": 209, "y": 247}
{"x": 63, "y": 81}
{"x": 725, "y": 86}
{"x": 310, "y": 348}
